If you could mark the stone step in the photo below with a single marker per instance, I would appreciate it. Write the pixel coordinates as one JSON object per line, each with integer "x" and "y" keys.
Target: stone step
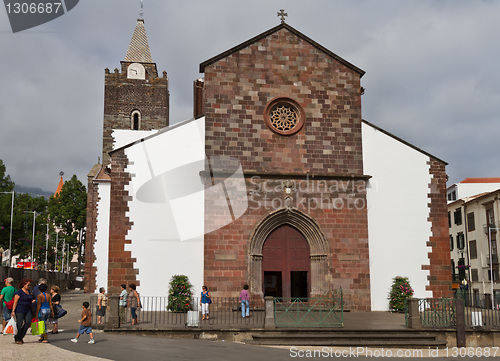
{"x": 350, "y": 339}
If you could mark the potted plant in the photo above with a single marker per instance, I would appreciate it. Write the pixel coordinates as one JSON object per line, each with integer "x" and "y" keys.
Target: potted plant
{"x": 180, "y": 294}
{"x": 400, "y": 291}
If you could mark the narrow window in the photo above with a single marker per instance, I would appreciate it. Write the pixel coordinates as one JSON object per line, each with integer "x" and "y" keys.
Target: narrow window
{"x": 471, "y": 226}
{"x": 472, "y": 249}
{"x": 136, "y": 121}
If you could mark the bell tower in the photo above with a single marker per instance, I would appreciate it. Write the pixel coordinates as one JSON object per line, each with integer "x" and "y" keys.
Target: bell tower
{"x": 135, "y": 97}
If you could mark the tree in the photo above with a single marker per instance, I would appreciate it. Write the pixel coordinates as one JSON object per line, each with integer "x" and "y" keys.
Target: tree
{"x": 68, "y": 211}
{"x": 22, "y": 228}
{"x": 22, "y": 223}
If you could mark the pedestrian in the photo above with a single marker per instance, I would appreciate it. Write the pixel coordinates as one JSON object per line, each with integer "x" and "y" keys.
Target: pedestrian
{"x": 36, "y": 290}
{"x": 122, "y": 303}
{"x": 205, "y": 300}
{"x": 245, "y": 302}
{"x": 23, "y": 300}
{"x": 102, "y": 301}
{"x": 134, "y": 302}
{"x": 44, "y": 310}
{"x": 56, "y": 301}
{"x": 6, "y": 298}
{"x": 85, "y": 324}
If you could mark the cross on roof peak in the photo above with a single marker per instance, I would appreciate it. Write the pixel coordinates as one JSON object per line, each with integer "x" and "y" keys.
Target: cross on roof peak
{"x": 282, "y": 14}
{"x": 141, "y": 12}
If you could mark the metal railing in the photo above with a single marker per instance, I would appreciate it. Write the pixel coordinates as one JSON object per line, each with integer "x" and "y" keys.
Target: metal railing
{"x": 442, "y": 312}
{"x": 223, "y": 312}
{"x": 479, "y": 311}
{"x": 309, "y": 312}
{"x": 437, "y": 312}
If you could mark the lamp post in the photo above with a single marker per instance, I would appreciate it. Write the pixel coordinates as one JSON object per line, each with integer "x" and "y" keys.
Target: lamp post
{"x": 55, "y": 256}
{"x": 63, "y": 248}
{"x": 10, "y": 236}
{"x": 46, "y": 246}
{"x": 33, "y": 241}
{"x": 491, "y": 265}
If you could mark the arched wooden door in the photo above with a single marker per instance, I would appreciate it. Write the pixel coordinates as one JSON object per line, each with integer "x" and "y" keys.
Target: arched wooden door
{"x": 286, "y": 263}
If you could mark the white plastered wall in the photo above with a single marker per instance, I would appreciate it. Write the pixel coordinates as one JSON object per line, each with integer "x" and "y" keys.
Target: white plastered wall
{"x": 166, "y": 209}
{"x": 101, "y": 245}
{"x": 398, "y": 226}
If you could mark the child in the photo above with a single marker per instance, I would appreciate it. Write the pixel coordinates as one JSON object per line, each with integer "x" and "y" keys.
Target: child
{"x": 85, "y": 322}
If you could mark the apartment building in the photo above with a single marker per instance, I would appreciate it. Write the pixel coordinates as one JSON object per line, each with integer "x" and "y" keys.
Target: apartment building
{"x": 473, "y": 226}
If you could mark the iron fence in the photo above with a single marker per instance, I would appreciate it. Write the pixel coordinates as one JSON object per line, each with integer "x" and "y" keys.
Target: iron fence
{"x": 479, "y": 311}
{"x": 309, "y": 312}
{"x": 224, "y": 312}
{"x": 437, "y": 312}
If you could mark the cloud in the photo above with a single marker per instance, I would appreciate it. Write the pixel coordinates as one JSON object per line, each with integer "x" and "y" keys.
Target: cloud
{"x": 430, "y": 72}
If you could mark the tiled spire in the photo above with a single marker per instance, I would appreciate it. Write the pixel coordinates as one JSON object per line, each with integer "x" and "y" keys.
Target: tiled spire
{"x": 138, "y": 50}
{"x": 59, "y": 186}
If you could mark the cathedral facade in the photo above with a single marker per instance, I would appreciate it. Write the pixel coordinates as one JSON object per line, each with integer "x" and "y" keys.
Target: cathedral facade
{"x": 276, "y": 182}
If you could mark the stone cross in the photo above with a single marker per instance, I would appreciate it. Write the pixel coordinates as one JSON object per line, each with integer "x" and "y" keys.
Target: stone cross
{"x": 282, "y": 14}
{"x": 141, "y": 12}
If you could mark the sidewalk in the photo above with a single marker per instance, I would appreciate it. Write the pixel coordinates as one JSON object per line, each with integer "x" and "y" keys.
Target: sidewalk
{"x": 126, "y": 347}
{"x": 33, "y": 349}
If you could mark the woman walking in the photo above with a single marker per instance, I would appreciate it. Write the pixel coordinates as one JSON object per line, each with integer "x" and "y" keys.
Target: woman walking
{"x": 44, "y": 309}
{"x": 22, "y": 309}
{"x": 205, "y": 300}
{"x": 56, "y": 301}
{"x": 134, "y": 303}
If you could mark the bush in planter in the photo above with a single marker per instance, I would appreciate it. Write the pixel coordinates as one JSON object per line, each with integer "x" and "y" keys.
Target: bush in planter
{"x": 400, "y": 291}
{"x": 180, "y": 294}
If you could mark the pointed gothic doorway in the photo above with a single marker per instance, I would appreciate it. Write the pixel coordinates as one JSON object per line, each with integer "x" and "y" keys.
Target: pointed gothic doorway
{"x": 286, "y": 263}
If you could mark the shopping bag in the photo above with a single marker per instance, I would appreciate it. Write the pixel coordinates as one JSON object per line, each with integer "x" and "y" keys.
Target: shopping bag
{"x": 59, "y": 311}
{"x": 37, "y": 327}
{"x": 11, "y": 327}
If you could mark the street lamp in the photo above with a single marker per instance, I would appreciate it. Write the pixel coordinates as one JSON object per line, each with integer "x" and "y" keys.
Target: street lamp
{"x": 491, "y": 265}
{"x": 33, "y": 242}
{"x": 55, "y": 256}
{"x": 46, "y": 246}
{"x": 10, "y": 236}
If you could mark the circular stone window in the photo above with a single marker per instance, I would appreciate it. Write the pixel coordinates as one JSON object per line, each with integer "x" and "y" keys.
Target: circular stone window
{"x": 284, "y": 116}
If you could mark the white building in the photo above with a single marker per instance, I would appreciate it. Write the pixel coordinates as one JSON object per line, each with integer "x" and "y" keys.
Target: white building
{"x": 474, "y": 224}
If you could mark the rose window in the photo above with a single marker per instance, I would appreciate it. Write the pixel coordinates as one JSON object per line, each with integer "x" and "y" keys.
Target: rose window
{"x": 284, "y": 116}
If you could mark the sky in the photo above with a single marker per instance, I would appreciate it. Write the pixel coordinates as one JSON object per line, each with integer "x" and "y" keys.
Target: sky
{"x": 432, "y": 72}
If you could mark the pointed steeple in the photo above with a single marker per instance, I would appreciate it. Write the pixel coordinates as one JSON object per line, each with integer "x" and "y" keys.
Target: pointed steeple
{"x": 138, "y": 50}
{"x": 60, "y": 185}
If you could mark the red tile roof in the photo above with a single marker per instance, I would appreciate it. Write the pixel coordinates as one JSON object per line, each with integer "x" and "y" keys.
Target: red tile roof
{"x": 481, "y": 180}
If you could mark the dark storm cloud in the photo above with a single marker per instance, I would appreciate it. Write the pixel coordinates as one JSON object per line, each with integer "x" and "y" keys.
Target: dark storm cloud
{"x": 431, "y": 72}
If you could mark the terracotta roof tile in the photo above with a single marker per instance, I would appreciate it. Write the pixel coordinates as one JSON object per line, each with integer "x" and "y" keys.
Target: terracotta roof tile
{"x": 481, "y": 180}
